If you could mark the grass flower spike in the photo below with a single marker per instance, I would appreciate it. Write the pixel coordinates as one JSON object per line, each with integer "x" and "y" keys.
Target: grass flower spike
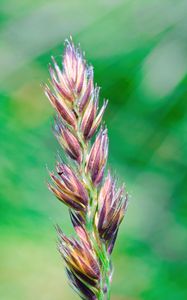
{"x": 96, "y": 205}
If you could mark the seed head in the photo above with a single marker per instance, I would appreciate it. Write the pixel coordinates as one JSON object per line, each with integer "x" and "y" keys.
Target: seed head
{"x": 96, "y": 209}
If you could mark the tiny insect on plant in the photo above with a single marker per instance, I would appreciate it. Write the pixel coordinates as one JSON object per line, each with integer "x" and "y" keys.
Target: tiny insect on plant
{"x": 96, "y": 205}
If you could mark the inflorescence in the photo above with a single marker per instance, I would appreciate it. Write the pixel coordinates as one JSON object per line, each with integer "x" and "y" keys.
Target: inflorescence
{"x": 96, "y": 205}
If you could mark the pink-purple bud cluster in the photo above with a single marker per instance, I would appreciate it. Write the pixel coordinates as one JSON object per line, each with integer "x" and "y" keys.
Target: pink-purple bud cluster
{"x": 73, "y": 92}
{"x": 96, "y": 208}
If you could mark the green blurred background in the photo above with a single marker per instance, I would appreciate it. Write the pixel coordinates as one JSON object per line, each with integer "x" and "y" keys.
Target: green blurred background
{"x": 139, "y": 52}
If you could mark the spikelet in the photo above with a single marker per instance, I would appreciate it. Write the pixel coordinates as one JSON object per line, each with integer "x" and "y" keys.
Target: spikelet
{"x": 96, "y": 208}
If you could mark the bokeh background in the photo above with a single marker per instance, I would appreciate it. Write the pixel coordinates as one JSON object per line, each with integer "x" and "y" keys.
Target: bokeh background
{"x": 139, "y": 52}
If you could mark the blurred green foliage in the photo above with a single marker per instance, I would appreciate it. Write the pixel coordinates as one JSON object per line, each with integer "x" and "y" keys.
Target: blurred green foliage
{"x": 139, "y": 53}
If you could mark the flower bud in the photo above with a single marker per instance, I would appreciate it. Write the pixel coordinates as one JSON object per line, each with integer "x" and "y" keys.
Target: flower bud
{"x": 68, "y": 141}
{"x": 81, "y": 264}
{"x": 90, "y": 113}
{"x": 59, "y": 82}
{"x": 61, "y": 107}
{"x": 74, "y": 68}
{"x": 87, "y": 91}
{"x": 112, "y": 206}
{"x": 72, "y": 182}
{"x": 97, "y": 120}
{"x": 97, "y": 157}
{"x": 68, "y": 189}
